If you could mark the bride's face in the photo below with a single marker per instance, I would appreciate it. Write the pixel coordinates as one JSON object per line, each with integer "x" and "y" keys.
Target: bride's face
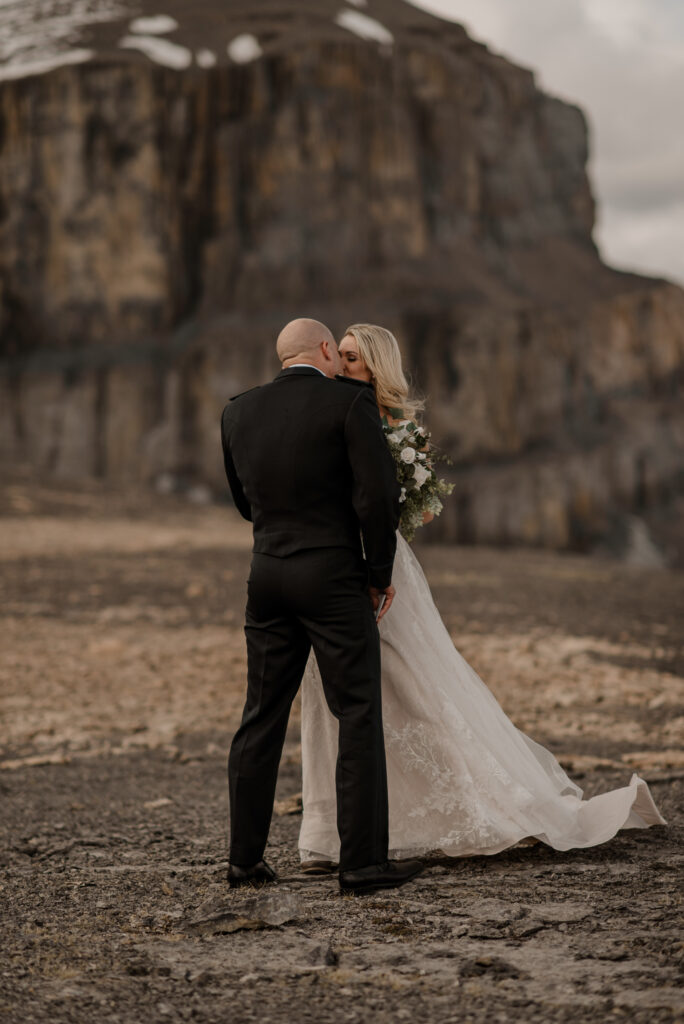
{"x": 352, "y": 363}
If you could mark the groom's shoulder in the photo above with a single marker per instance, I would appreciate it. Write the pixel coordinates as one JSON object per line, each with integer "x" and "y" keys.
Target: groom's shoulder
{"x": 350, "y": 389}
{"x": 241, "y": 394}
{"x": 352, "y": 382}
{"x": 236, "y": 400}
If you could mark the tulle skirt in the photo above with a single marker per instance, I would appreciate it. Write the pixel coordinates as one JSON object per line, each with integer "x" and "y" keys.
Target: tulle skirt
{"x": 462, "y": 779}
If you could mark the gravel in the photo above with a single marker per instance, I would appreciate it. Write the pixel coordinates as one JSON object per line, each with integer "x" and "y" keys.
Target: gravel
{"x": 121, "y": 680}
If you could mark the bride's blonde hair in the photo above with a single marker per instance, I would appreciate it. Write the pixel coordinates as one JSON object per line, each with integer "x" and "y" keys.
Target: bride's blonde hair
{"x": 380, "y": 352}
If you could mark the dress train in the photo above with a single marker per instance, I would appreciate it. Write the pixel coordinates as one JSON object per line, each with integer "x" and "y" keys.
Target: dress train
{"x": 462, "y": 778}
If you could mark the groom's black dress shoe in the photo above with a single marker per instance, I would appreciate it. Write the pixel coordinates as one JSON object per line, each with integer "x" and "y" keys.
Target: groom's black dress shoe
{"x": 256, "y": 875}
{"x": 389, "y": 875}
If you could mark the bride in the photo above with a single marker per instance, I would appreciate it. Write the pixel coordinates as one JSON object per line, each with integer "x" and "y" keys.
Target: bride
{"x": 462, "y": 778}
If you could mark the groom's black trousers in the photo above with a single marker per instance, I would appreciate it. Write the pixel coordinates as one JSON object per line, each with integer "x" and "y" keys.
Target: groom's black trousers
{"x": 317, "y": 598}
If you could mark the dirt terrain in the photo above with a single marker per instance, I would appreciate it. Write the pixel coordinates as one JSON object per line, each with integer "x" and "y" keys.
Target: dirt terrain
{"x": 121, "y": 680}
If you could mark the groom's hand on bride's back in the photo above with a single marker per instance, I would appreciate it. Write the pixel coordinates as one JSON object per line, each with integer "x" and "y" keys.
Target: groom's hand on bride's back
{"x": 385, "y": 596}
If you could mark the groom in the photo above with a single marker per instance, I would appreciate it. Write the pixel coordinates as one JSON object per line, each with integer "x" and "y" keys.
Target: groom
{"x": 308, "y": 465}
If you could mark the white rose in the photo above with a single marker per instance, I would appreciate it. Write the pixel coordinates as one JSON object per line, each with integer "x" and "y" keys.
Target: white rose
{"x": 408, "y": 455}
{"x": 420, "y": 474}
{"x": 402, "y": 496}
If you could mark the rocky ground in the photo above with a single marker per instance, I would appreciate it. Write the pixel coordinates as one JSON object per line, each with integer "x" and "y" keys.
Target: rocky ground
{"x": 121, "y": 679}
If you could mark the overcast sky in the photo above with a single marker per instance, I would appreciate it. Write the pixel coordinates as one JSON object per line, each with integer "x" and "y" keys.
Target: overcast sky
{"x": 622, "y": 61}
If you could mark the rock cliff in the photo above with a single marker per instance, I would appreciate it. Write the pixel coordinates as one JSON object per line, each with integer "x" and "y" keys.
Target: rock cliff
{"x": 158, "y": 226}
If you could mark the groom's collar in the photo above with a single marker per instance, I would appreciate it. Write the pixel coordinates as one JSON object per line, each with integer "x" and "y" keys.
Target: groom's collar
{"x": 300, "y": 369}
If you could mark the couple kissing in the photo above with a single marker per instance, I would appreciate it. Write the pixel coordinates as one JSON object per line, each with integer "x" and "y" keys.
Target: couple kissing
{"x": 405, "y": 751}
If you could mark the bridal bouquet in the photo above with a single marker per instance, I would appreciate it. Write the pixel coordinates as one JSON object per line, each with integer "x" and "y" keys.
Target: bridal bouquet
{"x": 421, "y": 488}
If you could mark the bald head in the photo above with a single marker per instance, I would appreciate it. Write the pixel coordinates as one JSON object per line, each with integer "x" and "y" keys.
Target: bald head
{"x": 308, "y": 341}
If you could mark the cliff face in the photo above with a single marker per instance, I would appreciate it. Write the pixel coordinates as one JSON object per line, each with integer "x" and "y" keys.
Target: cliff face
{"x": 157, "y": 228}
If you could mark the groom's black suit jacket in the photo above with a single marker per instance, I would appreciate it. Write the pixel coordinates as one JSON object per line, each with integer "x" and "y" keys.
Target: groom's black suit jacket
{"x": 308, "y": 465}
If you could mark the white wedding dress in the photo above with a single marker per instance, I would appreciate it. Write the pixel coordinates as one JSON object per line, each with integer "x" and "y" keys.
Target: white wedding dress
{"x": 462, "y": 778}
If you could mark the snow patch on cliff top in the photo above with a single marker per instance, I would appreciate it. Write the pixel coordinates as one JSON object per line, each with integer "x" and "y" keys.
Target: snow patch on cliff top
{"x": 244, "y": 48}
{"x": 365, "y": 27}
{"x": 161, "y": 51}
{"x": 158, "y": 24}
{"x": 39, "y": 35}
{"x": 47, "y": 63}
{"x": 206, "y": 58}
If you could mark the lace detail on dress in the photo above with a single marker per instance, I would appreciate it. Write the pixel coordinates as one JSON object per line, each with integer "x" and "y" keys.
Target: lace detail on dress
{"x": 461, "y": 777}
